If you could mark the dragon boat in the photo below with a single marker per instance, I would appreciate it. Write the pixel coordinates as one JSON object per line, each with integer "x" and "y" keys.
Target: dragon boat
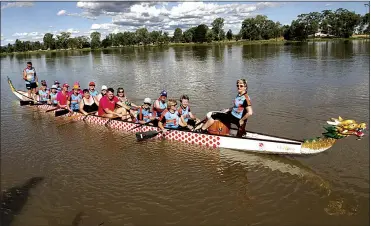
{"x": 336, "y": 129}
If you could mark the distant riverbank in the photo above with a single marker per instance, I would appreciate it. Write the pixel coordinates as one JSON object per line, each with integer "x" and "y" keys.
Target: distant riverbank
{"x": 239, "y": 42}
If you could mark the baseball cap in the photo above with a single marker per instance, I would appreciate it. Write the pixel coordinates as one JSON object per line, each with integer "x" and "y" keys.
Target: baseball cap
{"x": 91, "y": 83}
{"x": 147, "y": 100}
{"x": 56, "y": 82}
{"x": 104, "y": 87}
{"x": 163, "y": 93}
{"x": 43, "y": 82}
{"x": 65, "y": 85}
{"x": 54, "y": 87}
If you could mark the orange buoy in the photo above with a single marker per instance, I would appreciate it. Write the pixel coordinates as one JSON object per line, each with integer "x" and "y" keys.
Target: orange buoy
{"x": 219, "y": 128}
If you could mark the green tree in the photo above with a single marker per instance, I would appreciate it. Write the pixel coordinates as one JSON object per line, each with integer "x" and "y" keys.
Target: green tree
{"x": 188, "y": 36}
{"x": 217, "y": 28}
{"x": 210, "y": 36}
{"x": 200, "y": 33}
{"x": 95, "y": 40}
{"x": 49, "y": 41}
{"x": 229, "y": 35}
{"x": 178, "y": 35}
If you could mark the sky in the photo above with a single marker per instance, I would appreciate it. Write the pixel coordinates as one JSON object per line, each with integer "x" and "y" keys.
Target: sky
{"x": 31, "y": 20}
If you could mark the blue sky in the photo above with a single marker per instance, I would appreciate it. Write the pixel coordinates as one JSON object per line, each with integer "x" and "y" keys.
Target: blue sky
{"x": 31, "y": 20}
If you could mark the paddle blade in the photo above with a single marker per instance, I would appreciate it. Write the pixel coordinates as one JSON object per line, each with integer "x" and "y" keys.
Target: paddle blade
{"x": 146, "y": 135}
{"x": 26, "y": 102}
{"x": 61, "y": 112}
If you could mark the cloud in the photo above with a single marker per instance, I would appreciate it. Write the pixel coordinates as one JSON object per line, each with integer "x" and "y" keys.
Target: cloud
{"x": 61, "y": 12}
{"x": 187, "y": 14}
{"x": 328, "y": 4}
{"x": 16, "y": 5}
{"x": 86, "y": 15}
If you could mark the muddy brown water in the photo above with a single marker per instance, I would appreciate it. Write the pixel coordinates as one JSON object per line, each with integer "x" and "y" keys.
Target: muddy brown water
{"x": 94, "y": 173}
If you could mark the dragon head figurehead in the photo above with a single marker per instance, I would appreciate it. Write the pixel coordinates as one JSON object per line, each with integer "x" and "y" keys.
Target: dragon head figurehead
{"x": 341, "y": 128}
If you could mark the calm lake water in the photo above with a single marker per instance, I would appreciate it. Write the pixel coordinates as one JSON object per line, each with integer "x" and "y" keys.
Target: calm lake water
{"x": 109, "y": 178}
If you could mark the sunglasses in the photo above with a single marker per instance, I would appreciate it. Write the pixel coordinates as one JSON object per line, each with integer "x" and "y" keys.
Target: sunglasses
{"x": 174, "y": 105}
{"x": 120, "y": 92}
{"x": 241, "y": 86}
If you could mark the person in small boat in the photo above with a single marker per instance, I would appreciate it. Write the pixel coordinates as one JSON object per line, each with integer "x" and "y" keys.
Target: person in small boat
{"x": 62, "y": 96}
{"x": 73, "y": 103}
{"x": 43, "y": 93}
{"x": 130, "y": 108}
{"x": 92, "y": 90}
{"x": 107, "y": 106}
{"x": 88, "y": 103}
{"x": 144, "y": 112}
{"x": 185, "y": 111}
{"x": 58, "y": 87}
{"x": 76, "y": 84}
{"x": 30, "y": 78}
{"x": 160, "y": 104}
{"x": 53, "y": 95}
{"x": 170, "y": 118}
{"x": 236, "y": 115}
{"x": 103, "y": 92}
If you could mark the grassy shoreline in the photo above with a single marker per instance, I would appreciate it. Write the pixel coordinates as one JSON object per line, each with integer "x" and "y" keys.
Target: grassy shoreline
{"x": 233, "y": 42}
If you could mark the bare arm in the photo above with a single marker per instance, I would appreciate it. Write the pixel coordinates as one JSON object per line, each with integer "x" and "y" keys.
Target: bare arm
{"x": 81, "y": 108}
{"x": 248, "y": 113}
{"x": 24, "y": 75}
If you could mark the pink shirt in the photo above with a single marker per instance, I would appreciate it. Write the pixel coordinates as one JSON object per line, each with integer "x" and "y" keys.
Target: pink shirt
{"x": 106, "y": 103}
{"x": 62, "y": 98}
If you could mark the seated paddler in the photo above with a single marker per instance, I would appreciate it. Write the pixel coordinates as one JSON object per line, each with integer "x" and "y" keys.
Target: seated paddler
{"x": 185, "y": 110}
{"x": 107, "y": 106}
{"x": 145, "y": 114}
{"x": 43, "y": 93}
{"x": 236, "y": 115}
{"x": 170, "y": 118}
{"x": 73, "y": 102}
{"x": 160, "y": 104}
{"x": 88, "y": 103}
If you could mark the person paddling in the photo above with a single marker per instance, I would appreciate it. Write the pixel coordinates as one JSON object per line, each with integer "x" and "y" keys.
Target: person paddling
{"x": 145, "y": 114}
{"x": 63, "y": 96}
{"x": 53, "y": 95}
{"x": 107, "y": 106}
{"x": 185, "y": 111}
{"x": 43, "y": 93}
{"x": 170, "y": 118}
{"x": 73, "y": 103}
{"x": 92, "y": 90}
{"x": 30, "y": 78}
{"x": 237, "y": 115}
{"x": 160, "y": 104}
{"x": 103, "y": 92}
{"x": 88, "y": 103}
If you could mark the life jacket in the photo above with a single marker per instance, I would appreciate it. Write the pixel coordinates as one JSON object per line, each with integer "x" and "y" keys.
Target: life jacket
{"x": 157, "y": 111}
{"x": 75, "y": 102}
{"x": 184, "y": 112}
{"x": 144, "y": 114}
{"x": 30, "y": 75}
{"x": 171, "y": 119}
{"x": 239, "y": 105}
{"x": 43, "y": 95}
{"x": 53, "y": 98}
{"x": 93, "y": 93}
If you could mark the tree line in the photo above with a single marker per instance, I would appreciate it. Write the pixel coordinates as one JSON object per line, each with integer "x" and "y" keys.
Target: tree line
{"x": 340, "y": 23}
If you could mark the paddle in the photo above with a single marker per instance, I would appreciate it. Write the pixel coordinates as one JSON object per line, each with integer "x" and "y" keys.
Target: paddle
{"x": 73, "y": 117}
{"x": 30, "y": 102}
{"x": 147, "y": 135}
{"x": 61, "y": 112}
{"x": 137, "y": 127}
{"x": 53, "y": 109}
